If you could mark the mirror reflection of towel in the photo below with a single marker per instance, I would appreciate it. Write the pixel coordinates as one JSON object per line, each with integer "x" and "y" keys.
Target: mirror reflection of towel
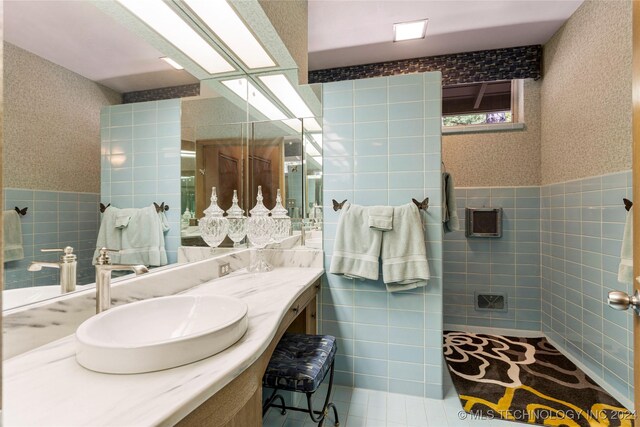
{"x": 138, "y": 235}
{"x": 12, "y": 239}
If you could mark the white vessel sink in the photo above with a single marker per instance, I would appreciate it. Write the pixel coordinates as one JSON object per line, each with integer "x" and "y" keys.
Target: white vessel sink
{"x": 160, "y": 333}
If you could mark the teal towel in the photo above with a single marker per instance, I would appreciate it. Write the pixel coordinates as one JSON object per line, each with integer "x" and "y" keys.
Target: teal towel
{"x": 625, "y": 269}
{"x": 449, "y": 208}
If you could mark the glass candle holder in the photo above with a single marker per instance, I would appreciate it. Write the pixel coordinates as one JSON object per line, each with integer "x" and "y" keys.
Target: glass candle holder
{"x": 213, "y": 226}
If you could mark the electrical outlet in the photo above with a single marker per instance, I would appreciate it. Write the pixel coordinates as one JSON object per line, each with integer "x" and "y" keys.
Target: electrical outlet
{"x": 224, "y": 269}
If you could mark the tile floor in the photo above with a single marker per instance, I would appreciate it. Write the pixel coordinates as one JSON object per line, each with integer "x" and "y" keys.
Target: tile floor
{"x": 369, "y": 408}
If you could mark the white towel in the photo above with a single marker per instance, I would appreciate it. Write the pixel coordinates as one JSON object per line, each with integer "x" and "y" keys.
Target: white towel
{"x": 404, "y": 253}
{"x": 143, "y": 239}
{"x": 450, "y": 211}
{"x": 12, "y": 237}
{"x": 356, "y": 247}
{"x": 625, "y": 270}
{"x": 140, "y": 239}
{"x": 381, "y": 217}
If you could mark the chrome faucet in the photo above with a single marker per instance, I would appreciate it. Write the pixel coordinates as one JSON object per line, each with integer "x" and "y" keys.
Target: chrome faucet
{"x": 67, "y": 265}
{"x": 103, "y": 277}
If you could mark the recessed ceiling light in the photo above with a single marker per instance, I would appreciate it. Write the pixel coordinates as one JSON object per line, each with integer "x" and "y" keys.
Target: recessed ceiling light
{"x": 409, "y": 30}
{"x": 173, "y": 63}
{"x": 222, "y": 19}
{"x": 161, "y": 18}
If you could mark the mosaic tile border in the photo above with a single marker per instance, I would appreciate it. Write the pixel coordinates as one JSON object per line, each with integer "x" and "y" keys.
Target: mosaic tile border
{"x": 468, "y": 67}
{"x": 161, "y": 93}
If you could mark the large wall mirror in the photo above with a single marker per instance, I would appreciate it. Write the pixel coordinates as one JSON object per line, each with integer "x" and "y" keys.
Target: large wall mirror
{"x": 242, "y": 156}
{"x": 70, "y": 144}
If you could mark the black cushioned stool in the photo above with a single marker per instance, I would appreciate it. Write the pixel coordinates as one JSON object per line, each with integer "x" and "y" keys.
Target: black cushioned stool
{"x": 300, "y": 363}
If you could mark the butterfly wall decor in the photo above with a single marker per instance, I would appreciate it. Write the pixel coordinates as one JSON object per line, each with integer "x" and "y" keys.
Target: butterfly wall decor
{"x": 21, "y": 212}
{"x": 161, "y": 207}
{"x": 103, "y": 207}
{"x": 627, "y": 204}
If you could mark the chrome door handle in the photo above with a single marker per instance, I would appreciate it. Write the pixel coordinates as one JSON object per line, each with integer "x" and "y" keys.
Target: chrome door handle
{"x": 622, "y": 301}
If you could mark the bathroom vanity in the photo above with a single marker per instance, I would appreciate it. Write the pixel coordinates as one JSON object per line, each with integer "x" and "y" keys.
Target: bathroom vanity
{"x": 221, "y": 390}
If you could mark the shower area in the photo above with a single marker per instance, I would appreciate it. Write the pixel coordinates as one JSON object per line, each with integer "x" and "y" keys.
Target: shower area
{"x": 557, "y": 171}
{"x": 560, "y": 181}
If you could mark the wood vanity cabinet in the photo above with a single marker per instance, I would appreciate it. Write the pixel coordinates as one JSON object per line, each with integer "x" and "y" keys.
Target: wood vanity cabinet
{"x": 239, "y": 403}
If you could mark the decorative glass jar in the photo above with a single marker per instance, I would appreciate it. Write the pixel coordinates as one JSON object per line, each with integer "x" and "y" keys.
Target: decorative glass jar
{"x": 213, "y": 226}
{"x": 260, "y": 229}
{"x": 281, "y": 219}
{"x": 237, "y": 221}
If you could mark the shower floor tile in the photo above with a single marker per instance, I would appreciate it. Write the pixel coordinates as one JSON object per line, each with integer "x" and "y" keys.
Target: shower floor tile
{"x": 359, "y": 407}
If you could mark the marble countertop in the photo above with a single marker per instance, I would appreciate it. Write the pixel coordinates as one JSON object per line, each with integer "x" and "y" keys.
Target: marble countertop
{"x": 46, "y": 386}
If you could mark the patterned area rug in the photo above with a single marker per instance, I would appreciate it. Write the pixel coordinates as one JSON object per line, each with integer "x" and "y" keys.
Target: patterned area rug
{"x": 526, "y": 380}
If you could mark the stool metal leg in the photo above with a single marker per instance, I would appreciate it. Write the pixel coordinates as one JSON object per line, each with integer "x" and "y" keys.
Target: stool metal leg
{"x": 270, "y": 402}
{"x": 325, "y": 408}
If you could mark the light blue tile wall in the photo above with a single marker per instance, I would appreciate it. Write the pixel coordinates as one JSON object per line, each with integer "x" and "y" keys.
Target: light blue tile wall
{"x": 382, "y": 147}
{"x": 55, "y": 219}
{"x": 141, "y": 160}
{"x": 581, "y": 232}
{"x": 510, "y": 264}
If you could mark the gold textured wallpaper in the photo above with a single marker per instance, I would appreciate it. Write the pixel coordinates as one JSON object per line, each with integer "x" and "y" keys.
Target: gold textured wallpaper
{"x": 493, "y": 159}
{"x": 51, "y": 125}
{"x": 586, "y": 94}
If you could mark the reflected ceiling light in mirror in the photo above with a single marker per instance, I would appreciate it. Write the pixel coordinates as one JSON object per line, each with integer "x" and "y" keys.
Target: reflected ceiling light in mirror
{"x": 318, "y": 159}
{"x": 118, "y": 160}
{"x": 187, "y": 153}
{"x": 248, "y": 92}
{"x": 295, "y": 124}
{"x": 173, "y": 63}
{"x": 161, "y": 18}
{"x": 310, "y": 147}
{"x": 317, "y": 137}
{"x": 312, "y": 151}
{"x": 280, "y": 86}
{"x": 223, "y": 20}
{"x": 409, "y": 30}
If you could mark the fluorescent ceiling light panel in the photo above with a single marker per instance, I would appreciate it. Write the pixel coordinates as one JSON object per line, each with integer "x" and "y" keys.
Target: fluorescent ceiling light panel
{"x": 409, "y": 30}
{"x": 227, "y": 25}
{"x": 318, "y": 159}
{"x": 173, "y": 63}
{"x": 317, "y": 137}
{"x": 280, "y": 86}
{"x": 160, "y": 17}
{"x": 312, "y": 150}
{"x": 248, "y": 92}
{"x": 312, "y": 125}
